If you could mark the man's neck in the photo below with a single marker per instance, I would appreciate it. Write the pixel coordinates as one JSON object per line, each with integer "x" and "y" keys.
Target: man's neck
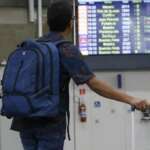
{"x": 64, "y": 34}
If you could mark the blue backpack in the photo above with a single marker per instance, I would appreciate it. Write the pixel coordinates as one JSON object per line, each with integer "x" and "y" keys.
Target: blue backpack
{"x": 30, "y": 82}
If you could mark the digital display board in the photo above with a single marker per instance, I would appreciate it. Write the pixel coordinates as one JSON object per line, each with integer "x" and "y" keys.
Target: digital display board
{"x": 113, "y": 27}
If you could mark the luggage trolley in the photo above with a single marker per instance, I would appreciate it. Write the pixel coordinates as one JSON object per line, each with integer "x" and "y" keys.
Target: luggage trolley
{"x": 146, "y": 116}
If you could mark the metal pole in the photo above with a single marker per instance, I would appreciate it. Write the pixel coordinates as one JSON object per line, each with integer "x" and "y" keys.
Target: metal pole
{"x": 40, "y": 25}
{"x": 31, "y": 10}
{"x": 74, "y": 95}
{"x": 74, "y": 22}
{"x": 132, "y": 128}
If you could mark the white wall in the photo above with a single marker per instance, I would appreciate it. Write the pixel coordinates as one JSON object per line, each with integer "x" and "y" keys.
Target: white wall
{"x": 108, "y": 127}
{"x": 13, "y": 15}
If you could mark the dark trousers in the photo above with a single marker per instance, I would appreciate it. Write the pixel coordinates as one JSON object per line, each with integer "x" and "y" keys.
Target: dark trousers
{"x": 43, "y": 138}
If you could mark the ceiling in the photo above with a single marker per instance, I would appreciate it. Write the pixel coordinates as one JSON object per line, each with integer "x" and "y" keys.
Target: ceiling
{"x": 21, "y": 3}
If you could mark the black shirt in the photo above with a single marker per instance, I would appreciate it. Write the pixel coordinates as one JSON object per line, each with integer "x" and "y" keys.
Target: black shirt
{"x": 71, "y": 66}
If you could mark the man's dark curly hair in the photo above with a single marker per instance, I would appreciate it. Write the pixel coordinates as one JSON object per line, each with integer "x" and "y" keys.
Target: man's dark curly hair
{"x": 59, "y": 14}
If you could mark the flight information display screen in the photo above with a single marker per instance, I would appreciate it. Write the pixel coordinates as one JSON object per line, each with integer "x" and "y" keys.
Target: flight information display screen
{"x": 113, "y": 27}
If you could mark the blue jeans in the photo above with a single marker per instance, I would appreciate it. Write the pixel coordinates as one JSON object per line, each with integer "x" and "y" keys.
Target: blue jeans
{"x": 43, "y": 138}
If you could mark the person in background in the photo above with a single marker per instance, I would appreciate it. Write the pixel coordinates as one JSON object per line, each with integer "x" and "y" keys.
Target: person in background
{"x": 49, "y": 133}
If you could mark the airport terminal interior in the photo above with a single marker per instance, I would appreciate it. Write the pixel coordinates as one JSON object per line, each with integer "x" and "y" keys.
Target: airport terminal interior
{"x": 114, "y": 39}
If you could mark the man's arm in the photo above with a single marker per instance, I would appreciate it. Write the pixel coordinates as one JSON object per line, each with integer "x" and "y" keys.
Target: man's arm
{"x": 72, "y": 61}
{"x": 105, "y": 90}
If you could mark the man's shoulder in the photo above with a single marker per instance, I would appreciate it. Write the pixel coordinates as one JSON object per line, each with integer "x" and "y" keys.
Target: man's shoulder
{"x": 69, "y": 49}
{"x": 68, "y": 44}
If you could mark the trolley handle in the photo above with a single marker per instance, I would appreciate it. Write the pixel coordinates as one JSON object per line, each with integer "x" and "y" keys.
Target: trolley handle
{"x": 133, "y": 108}
{"x": 146, "y": 111}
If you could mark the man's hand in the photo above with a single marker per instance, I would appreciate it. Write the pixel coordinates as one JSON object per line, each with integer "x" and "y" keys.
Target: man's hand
{"x": 141, "y": 104}
{"x": 105, "y": 90}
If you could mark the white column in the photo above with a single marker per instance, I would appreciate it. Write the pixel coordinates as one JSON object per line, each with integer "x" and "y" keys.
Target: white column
{"x": 31, "y": 10}
{"x": 40, "y": 25}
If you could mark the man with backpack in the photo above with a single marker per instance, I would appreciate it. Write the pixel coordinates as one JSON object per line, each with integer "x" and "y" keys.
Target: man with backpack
{"x": 27, "y": 99}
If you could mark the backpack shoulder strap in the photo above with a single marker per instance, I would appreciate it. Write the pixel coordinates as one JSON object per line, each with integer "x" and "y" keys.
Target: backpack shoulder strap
{"x": 54, "y": 48}
{"x": 55, "y": 67}
{"x": 57, "y": 43}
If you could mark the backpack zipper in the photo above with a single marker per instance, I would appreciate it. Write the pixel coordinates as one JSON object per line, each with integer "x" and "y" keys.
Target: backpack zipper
{"x": 37, "y": 70}
{"x": 51, "y": 74}
{"x": 17, "y": 75}
{"x": 40, "y": 74}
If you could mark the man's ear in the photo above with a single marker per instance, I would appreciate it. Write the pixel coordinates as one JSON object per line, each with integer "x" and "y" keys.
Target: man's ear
{"x": 70, "y": 25}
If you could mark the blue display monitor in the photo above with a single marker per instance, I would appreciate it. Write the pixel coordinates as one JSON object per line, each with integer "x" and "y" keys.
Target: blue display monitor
{"x": 111, "y": 30}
